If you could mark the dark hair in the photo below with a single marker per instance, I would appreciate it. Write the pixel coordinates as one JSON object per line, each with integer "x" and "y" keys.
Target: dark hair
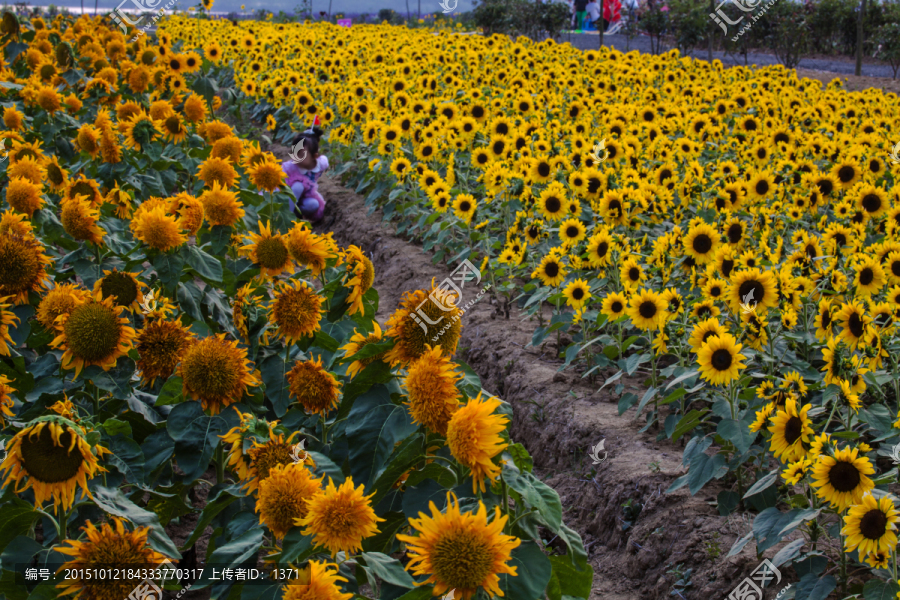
{"x": 311, "y": 137}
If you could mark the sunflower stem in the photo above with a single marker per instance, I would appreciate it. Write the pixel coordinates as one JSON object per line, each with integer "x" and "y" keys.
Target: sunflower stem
{"x": 505, "y": 490}
{"x": 220, "y": 463}
{"x": 96, "y": 400}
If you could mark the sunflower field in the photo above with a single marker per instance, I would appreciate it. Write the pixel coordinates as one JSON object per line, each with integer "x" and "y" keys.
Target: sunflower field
{"x": 726, "y": 239}
{"x": 194, "y": 392}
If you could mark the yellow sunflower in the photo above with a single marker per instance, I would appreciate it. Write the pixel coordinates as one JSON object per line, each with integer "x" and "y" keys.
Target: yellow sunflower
{"x": 158, "y": 229}
{"x": 842, "y": 479}
{"x": 316, "y": 581}
{"x": 283, "y": 497}
{"x": 295, "y": 310}
{"x": 473, "y": 436}
{"x": 791, "y": 429}
{"x": 357, "y": 342}
{"x": 461, "y": 551}
{"x": 647, "y": 310}
{"x": 269, "y": 252}
{"x": 719, "y": 359}
{"x": 160, "y": 346}
{"x": 340, "y": 518}
{"x": 52, "y": 456}
{"x": 216, "y": 372}
{"x": 221, "y": 206}
{"x": 359, "y": 278}
{"x": 424, "y": 317}
{"x": 317, "y": 390}
{"x": 430, "y": 386}
{"x": 309, "y": 249}
{"x": 123, "y": 287}
{"x": 94, "y": 332}
{"x": 871, "y": 526}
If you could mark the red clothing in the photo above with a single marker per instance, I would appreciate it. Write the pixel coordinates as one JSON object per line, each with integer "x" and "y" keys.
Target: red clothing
{"x": 612, "y": 10}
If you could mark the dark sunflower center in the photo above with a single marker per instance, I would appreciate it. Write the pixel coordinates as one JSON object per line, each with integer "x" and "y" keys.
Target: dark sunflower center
{"x": 647, "y": 309}
{"x": 826, "y": 318}
{"x": 873, "y": 525}
{"x": 762, "y": 187}
{"x": 793, "y": 429}
{"x": 735, "y": 232}
{"x": 895, "y": 268}
{"x": 759, "y": 291}
{"x": 272, "y": 253}
{"x": 92, "y": 331}
{"x": 48, "y": 462}
{"x": 461, "y": 560}
{"x": 846, "y": 174}
{"x": 551, "y": 269}
{"x": 464, "y": 206}
{"x": 616, "y": 306}
{"x": 544, "y": 169}
{"x": 871, "y": 202}
{"x": 553, "y": 204}
{"x": 121, "y": 286}
{"x": 572, "y": 231}
{"x": 843, "y": 476}
{"x": 866, "y": 276}
{"x": 727, "y": 266}
{"x": 578, "y": 293}
{"x": 721, "y": 359}
{"x": 855, "y": 324}
{"x": 702, "y": 244}
{"x": 603, "y": 247}
{"x": 634, "y": 274}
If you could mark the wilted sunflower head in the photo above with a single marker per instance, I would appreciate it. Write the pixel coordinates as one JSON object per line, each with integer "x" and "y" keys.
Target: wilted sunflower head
{"x": 160, "y": 345}
{"x": 110, "y": 546}
{"x": 216, "y": 372}
{"x": 52, "y": 457}
{"x": 424, "y": 317}
{"x": 22, "y": 265}
{"x": 317, "y": 390}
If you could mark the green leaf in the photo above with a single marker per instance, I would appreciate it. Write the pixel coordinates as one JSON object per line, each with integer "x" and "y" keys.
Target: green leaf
{"x": 401, "y": 460}
{"x": 521, "y": 457}
{"x": 648, "y": 396}
{"x": 114, "y": 426}
{"x": 206, "y": 266}
{"x": 803, "y": 515}
{"x": 236, "y": 551}
{"x": 435, "y": 471}
{"x": 370, "y": 350}
{"x": 737, "y": 433}
{"x": 373, "y": 427}
{"x": 533, "y": 571}
{"x": 875, "y": 589}
{"x": 296, "y": 547}
{"x": 703, "y": 469}
{"x": 536, "y": 494}
{"x": 388, "y": 569}
{"x": 16, "y": 520}
{"x": 196, "y": 436}
{"x": 762, "y": 484}
{"x": 569, "y": 580}
{"x": 420, "y": 593}
{"x": 114, "y": 502}
{"x": 171, "y": 391}
{"x": 688, "y": 422}
{"x": 739, "y": 545}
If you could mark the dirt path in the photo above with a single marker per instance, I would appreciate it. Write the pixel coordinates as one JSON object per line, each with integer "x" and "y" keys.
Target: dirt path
{"x": 559, "y": 417}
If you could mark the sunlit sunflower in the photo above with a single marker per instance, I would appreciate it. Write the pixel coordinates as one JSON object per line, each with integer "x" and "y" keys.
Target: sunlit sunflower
{"x": 216, "y": 372}
{"x": 703, "y": 331}
{"x": 430, "y": 386}
{"x": 871, "y": 526}
{"x": 461, "y": 551}
{"x": 424, "y": 317}
{"x": 701, "y": 243}
{"x": 283, "y": 496}
{"x": 158, "y": 229}
{"x": 309, "y": 249}
{"x": 791, "y": 428}
{"x": 52, "y": 456}
{"x": 553, "y": 203}
{"x": 853, "y": 321}
{"x": 221, "y": 206}
{"x": 269, "y": 252}
{"x": 842, "y": 479}
{"x": 317, "y": 390}
{"x": 719, "y": 359}
{"x": 577, "y": 293}
{"x": 474, "y": 440}
{"x": 160, "y": 345}
{"x": 753, "y": 287}
{"x": 218, "y": 170}
{"x": 93, "y": 333}
{"x": 796, "y": 471}
{"x": 550, "y": 271}
{"x": 295, "y": 310}
{"x": 340, "y": 518}
{"x": 357, "y": 342}
{"x": 614, "y": 306}
{"x": 60, "y": 300}
{"x": 140, "y": 130}
{"x": 266, "y": 176}
{"x": 647, "y": 310}
{"x": 360, "y": 275}
{"x": 316, "y": 581}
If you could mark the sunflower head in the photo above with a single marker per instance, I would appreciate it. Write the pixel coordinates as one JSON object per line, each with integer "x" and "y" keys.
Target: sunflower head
{"x": 52, "y": 457}
{"x": 340, "y": 518}
{"x": 123, "y": 287}
{"x": 216, "y": 372}
{"x": 283, "y": 496}
{"x": 425, "y": 317}
{"x": 295, "y": 310}
{"x": 358, "y": 341}
{"x": 473, "y": 436}
{"x": 842, "y": 479}
{"x": 431, "y": 390}
{"x": 160, "y": 345}
{"x": 317, "y": 390}
{"x": 269, "y": 251}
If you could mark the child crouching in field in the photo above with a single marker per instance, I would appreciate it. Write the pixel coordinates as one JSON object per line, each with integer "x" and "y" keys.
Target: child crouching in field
{"x": 303, "y": 170}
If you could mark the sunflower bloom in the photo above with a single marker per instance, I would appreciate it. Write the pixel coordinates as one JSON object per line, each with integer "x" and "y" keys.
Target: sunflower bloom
{"x": 315, "y": 388}
{"x": 216, "y": 372}
{"x": 283, "y": 497}
{"x": 842, "y": 480}
{"x": 461, "y": 551}
{"x": 295, "y": 310}
{"x": 431, "y": 390}
{"x": 871, "y": 526}
{"x": 473, "y": 436}
{"x": 340, "y": 518}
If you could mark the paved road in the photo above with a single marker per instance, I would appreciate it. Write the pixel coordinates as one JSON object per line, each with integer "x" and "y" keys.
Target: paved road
{"x": 587, "y": 41}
